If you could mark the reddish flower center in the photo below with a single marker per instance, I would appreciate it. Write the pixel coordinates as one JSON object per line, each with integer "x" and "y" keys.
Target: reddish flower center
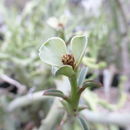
{"x": 68, "y": 59}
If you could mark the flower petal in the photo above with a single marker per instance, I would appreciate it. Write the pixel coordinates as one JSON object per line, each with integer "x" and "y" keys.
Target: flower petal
{"x": 79, "y": 45}
{"x": 52, "y": 51}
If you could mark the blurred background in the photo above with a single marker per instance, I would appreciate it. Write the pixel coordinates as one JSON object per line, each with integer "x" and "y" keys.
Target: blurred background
{"x": 26, "y": 24}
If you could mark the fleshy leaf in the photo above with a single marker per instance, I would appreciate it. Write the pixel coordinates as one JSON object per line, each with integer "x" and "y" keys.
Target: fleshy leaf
{"x": 83, "y": 123}
{"x": 82, "y": 75}
{"x": 65, "y": 70}
{"x": 52, "y": 51}
{"x": 79, "y": 45}
{"x": 54, "y": 92}
{"x": 54, "y": 69}
{"x": 90, "y": 84}
{"x": 66, "y": 106}
{"x": 82, "y": 108}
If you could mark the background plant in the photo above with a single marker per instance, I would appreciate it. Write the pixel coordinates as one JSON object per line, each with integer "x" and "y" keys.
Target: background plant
{"x": 25, "y": 29}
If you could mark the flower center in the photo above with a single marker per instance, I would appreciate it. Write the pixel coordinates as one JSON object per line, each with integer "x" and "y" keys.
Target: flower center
{"x": 68, "y": 59}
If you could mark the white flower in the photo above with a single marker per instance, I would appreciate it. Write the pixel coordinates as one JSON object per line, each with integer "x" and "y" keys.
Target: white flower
{"x": 54, "y": 52}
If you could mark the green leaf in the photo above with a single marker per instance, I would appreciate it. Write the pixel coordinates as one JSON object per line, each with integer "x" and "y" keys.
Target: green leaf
{"x": 82, "y": 75}
{"x": 66, "y": 106}
{"x": 65, "y": 70}
{"x": 52, "y": 51}
{"x": 80, "y": 108}
{"x": 83, "y": 123}
{"x": 54, "y": 92}
{"x": 89, "y": 84}
{"x": 79, "y": 45}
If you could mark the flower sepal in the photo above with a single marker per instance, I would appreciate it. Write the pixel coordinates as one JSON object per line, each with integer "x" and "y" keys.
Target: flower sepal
{"x": 66, "y": 70}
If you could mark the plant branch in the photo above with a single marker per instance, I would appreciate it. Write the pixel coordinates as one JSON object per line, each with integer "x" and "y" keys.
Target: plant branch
{"x": 21, "y": 88}
{"x": 107, "y": 118}
{"x": 96, "y": 117}
{"x": 52, "y": 118}
{"x": 26, "y": 100}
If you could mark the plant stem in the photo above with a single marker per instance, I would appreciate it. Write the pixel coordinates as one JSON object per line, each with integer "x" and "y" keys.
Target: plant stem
{"x": 74, "y": 97}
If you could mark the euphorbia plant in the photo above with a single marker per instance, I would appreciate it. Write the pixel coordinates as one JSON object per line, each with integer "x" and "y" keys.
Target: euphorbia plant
{"x": 67, "y": 62}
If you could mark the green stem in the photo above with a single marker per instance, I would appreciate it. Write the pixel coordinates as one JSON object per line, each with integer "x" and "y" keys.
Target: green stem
{"x": 74, "y": 97}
